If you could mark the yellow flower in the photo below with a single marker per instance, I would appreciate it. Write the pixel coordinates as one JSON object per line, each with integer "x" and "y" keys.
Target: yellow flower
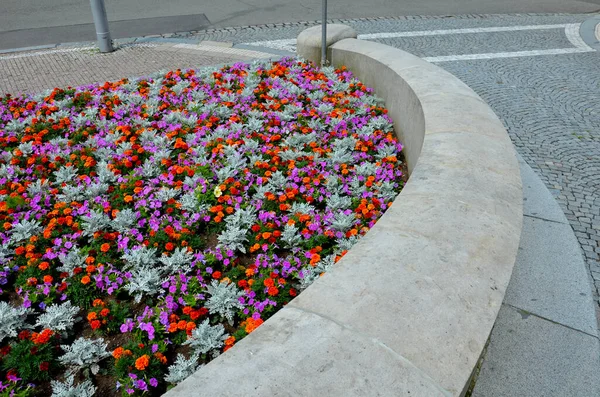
{"x": 218, "y": 192}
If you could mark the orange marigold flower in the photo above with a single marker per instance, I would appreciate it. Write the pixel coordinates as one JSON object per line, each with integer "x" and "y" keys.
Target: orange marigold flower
{"x": 252, "y": 324}
{"x": 42, "y": 337}
{"x": 85, "y": 280}
{"x": 169, "y": 246}
{"x": 104, "y": 312}
{"x": 90, "y": 268}
{"x": 216, "y": 275}
{"x": 97, "y": 302}
{"x": 142, "y": 362}
{"x": 43, "y": 266}
{"x": 48, "y": 279}
{"x": 95, "y": 324}
{"x": 181, "y": 324}
{"x": 194, "y": 314}
{"x": 117, "y": 353}
{"x": 272, "y": 291}
{"x": 268, "y": 282}
{"x": 105, "y": 247}
{"x": 161, "y": 357}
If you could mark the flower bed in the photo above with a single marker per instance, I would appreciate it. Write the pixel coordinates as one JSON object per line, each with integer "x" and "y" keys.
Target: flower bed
{"x": 148, "y": 225}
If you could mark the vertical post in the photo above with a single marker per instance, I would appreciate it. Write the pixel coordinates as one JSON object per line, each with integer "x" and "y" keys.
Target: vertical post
{"x": 324, "y": 35}
{"x": 101, "y": 23}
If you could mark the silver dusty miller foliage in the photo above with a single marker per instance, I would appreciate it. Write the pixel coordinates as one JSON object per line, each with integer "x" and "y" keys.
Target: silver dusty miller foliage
{"x": 84, "y": 353}
{"x": 224, "y": 299}
{"x": 207, "y": 338}
{"x": 12, "y": 320}
{"x": 182, "y": 368}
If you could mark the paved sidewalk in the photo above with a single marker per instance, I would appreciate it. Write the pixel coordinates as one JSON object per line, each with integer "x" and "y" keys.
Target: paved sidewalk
{"x": 36, "y": 71}
{"x": 545, "y": 340}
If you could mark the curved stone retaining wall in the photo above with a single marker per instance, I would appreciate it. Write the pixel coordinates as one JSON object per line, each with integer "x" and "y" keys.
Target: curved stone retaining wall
{"x": 409, "y": 309}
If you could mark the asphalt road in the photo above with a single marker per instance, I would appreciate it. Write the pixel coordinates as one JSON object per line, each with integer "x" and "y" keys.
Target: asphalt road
{"x": 26, "y": 22}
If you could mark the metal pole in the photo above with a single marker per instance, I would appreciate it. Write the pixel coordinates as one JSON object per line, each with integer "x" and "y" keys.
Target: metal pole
{"x": 101, "y": 23}
{"x": 324, "y": 35}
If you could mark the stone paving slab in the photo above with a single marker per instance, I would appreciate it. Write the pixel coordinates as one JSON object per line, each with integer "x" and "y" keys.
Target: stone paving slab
{"x": 550, "y": 279}
{"x": 537, "y": 202}
{"x": 545, "y": 339}
{"x": 531, "y": 357}
{"x": 37, "y": 71}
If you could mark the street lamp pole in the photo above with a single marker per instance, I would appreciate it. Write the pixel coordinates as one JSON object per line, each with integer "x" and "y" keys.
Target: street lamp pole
{"x": 324, "y": 35}
{"x": 101, "y": 23}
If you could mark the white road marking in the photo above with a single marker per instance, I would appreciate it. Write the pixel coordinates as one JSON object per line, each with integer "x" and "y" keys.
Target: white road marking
{"x": 444, "y": 32}
{"x": 571, "y": 32}
{"x": 515, "y": 54}
{"x": 598, "y": 32}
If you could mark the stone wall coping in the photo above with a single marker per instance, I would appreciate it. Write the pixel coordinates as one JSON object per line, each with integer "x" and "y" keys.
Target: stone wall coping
{"x": 408, "y": 310}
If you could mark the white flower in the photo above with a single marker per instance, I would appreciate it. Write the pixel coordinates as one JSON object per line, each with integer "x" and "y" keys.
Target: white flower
{"x": 218, "y": 192}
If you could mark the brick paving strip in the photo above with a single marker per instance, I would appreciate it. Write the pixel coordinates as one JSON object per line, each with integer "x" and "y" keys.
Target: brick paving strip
{"x": 37, "y": 71}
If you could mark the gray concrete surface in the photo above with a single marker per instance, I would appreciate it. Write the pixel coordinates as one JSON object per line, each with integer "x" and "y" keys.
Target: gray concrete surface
{"x": 17, "y": 15}
{"x": 545, "y": 340}
{"x": 529, "y": 356}
{"x": 86, "y": 31}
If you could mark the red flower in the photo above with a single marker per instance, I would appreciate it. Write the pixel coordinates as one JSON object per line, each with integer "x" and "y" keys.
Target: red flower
{"x": 273, "y": 291}
{"x": 95, "y": 324}
{"x": 24, "y": 335}
{"x": 5, "y": 350}
{"x": 44, "y": 366}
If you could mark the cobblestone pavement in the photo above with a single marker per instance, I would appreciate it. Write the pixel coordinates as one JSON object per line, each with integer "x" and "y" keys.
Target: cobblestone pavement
{"x": 550, "y": 104}
{"x": 41, "y": 70}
